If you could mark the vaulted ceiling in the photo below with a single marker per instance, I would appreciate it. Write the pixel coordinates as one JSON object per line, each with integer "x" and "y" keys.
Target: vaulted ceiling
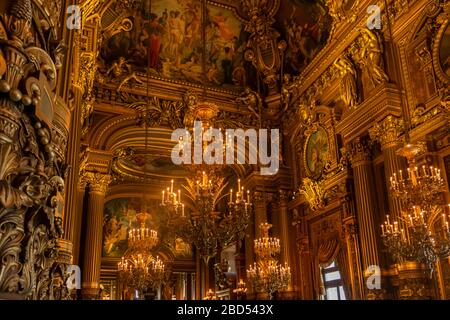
{"x": 155, "y": 48}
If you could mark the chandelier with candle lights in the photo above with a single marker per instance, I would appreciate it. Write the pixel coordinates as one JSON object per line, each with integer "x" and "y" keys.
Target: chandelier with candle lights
{"x": 209, "y": 228}
{"x": 421, "y": 233}
{"x": 267, "y": 274}
{"x": 138, "y": 268}
{"x": 241, "y": 289}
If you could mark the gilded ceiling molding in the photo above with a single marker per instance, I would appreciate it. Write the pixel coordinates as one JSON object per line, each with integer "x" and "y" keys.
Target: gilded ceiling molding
{"x": 32, "y": 165}
{"x": 387, "y": 132}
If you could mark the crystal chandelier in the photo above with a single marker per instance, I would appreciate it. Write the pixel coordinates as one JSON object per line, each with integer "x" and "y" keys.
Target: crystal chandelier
{"x": 418, "y": 234}
{"x": 267, "y": 275}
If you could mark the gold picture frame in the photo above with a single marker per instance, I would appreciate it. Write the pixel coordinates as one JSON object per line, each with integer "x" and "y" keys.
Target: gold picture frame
{"x": 316, "y": 153}
{"x": 441, "y": 60}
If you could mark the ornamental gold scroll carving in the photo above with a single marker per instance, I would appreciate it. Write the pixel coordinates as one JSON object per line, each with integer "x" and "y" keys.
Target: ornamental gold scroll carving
{"x": 387, "y": 132}
{"x": 98, "y": 182}
{"x": 314, "y": 193}
{"x": 31, "y": 172}
{"x": 264, "y": 49}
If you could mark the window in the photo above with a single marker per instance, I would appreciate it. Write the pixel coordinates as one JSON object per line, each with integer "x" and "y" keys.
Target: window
{"x": 332, "y": 282}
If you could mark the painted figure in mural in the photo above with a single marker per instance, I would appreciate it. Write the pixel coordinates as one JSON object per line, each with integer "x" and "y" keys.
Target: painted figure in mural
{"x": 225, "y": 31}
{"x": 155, "y": 41}
{"x": 348, "y": 89}
{"x": 193, "y": 28}
{"x": 370, "y": 56}
{"x": 317, "y": 152}
{"x": 164, "y": 31}
{"x": 112, "y": 233}
{"x": 227, "y": 65}
{"x": 239, "y": 75}
{"x": 168, "y": 39}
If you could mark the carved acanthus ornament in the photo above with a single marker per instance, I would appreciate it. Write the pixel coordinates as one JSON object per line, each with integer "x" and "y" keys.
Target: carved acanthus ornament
{"x": 264, "y": 49}
{"x": 98, "y": 182}
{"x": 88, "y": 70}
{"x": 314, "y": 193}
{"x": 360, "y": 151}
{"x": 340, "y": 11}
{"x": 31, "y": 172}
{"x": 387, "y": 132}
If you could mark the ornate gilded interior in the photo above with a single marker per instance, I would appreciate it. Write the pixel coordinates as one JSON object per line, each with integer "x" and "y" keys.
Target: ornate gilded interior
{"x": 87, "y": 113}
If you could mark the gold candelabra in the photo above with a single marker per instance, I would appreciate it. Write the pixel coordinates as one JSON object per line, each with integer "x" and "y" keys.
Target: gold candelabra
{"x": 418, "y": 233}
{"x": 267, "y": 275}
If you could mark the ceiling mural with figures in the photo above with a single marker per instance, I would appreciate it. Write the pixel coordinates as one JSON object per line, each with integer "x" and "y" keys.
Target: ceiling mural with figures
{"x": 168, "y": 38}
{"x": 306, "y": 31}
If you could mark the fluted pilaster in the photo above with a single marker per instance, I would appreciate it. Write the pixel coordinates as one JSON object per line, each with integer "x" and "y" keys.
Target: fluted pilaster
{"x": 81, "y": 190}
{"x": 366, "y": 205}
{"x": 93, "y": 248}
{"x": 387, "y": 133}
{"x": 260, "y": 212}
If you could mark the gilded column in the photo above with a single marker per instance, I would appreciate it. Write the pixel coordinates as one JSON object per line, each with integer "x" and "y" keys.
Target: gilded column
{"x": 366, "y": 206}
{"x": 353, "y": 256}
{"x": 81, "y": 190}
{"x": 387, "y": 133}
{"x": 304, "y": 266}
{"x": 98, "y": 184}
{"x": 284, "y": 226}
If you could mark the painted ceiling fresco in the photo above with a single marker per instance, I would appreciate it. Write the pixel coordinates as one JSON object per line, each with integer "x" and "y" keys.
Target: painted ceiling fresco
{"x": 168, "y": 38}
{"x": 305, "y": 25}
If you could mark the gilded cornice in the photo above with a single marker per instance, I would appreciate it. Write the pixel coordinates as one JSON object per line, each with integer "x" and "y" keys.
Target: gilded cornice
{"x": 385, "y": 101}
{"x": 387, "y": 131}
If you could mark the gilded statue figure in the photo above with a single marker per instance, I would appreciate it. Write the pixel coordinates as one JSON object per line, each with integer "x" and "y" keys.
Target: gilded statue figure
{"x": 122, "y": 69}
{"x": 370, "y": 56}
{"x": 289, "y": 91}
{"x": 252, "y": 100}
{"x": 348, "y": 89}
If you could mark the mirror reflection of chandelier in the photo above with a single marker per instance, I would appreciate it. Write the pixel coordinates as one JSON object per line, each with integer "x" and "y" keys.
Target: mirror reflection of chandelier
{"x": 266, "y": 274}
{"x": 414, "y": 235}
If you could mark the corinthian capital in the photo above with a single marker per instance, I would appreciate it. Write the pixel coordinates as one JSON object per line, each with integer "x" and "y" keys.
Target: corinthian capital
{"x": 98, "y": 182}
{"x": 387, "y": 131}
{"x": 360, "y": 151}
